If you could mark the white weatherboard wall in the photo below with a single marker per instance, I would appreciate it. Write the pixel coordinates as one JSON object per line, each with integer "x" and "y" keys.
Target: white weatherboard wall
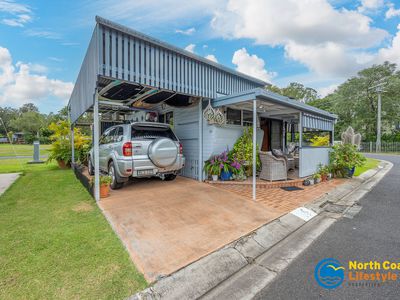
{"x": 186, "y": 127}
{"x": 217, "y": 139}
{"x": 310, "y": 158}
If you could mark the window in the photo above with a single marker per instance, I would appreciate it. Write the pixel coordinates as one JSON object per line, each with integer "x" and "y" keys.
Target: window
{"x": 233, "y": 116}
{"x": 167, "y": 118}
{"x": 239, "y": 117}
{"x": 119, "y": 135}
{"x": 316, "y": 138}
{"x": 247, "y": 118}
{"x": 108, "y": 136}
{"x": 142, "y": 132}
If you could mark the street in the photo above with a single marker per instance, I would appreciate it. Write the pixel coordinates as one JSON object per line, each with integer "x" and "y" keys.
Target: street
{"x": 373, "y": 234}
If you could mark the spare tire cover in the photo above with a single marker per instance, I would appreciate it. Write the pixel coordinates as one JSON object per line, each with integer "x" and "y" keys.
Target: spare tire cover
{"x": 163, "y": 152}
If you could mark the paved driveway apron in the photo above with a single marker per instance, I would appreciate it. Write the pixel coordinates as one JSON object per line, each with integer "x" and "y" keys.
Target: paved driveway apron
{"x": 167, "y": 225}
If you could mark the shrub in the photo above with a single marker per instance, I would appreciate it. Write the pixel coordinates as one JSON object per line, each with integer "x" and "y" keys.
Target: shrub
{"x": 61, "y": 143}
{"x": 344, "y": 157}
{"x": 243, "y": 151}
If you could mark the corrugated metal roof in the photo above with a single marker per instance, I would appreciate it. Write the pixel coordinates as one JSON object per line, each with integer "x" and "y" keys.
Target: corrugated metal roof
{"x": 263, "y": 94}
{"x": 142, "y": 36}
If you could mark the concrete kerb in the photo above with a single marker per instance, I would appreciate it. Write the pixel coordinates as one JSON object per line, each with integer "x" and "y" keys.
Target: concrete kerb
{"x": 266, "y": 251}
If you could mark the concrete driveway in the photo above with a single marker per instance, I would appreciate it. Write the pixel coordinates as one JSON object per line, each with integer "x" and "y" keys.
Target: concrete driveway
{"x": 168, "y": 225}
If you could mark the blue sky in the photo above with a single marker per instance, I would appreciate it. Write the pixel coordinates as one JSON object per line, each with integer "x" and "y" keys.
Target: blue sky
{"x": 319, "y": 43}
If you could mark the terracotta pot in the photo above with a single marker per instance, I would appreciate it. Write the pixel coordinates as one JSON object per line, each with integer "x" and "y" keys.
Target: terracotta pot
{"x": 324, "y": 177}
{"x": 63, "y": 165}
{"x": 104, "y": 191}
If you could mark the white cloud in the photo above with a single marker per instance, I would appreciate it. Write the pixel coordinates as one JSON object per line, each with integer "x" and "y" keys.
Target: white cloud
{"x": 42, "y": 34}
{"x": 211, "y": 57}
{"x": 392, "y": 52}
{"x": 151, "y": 13}
{"x": 370, "y": 5}
{"x": 188, "y": 31}
{"x": 392, "y": 12}
{"x": 190, "y": 48}
{"x": 24, "y": 82}
{"x": 251, "y": 65}
{"x": 325, "y": 91}
{"x": 17, "y": 14}
{"x": 312, "y": 32}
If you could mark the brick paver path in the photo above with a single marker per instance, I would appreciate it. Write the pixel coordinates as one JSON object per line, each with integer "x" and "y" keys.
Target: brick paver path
{"x": 284, "y": 201}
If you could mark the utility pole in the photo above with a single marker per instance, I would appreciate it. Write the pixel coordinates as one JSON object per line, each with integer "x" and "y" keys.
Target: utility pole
{"x": 379, "y": 90}
{"x": 378, "y": 121}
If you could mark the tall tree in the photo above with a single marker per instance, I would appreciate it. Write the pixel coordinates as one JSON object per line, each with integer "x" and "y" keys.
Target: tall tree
{"x": 297, "y": 91}
{"x": 7, "y": 114}
{"x": 355, "y": 101}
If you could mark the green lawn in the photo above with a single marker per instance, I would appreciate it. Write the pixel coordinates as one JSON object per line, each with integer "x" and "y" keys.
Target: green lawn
{"x": 369, "y": 164}
{"x": 12, "y": 150}
{"x": 55, "y": 242}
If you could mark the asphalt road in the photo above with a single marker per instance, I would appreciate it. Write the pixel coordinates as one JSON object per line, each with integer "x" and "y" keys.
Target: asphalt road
{"x": 373, "y": 234}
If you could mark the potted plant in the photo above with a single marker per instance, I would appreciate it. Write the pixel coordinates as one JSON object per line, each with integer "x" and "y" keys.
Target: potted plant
{"x": 323, "y": 171}
{"x": 212, "y": 167}
{"x": 105, "y": 182}
{"x": 344, "y": 159}
{"x": 317, "y": 178}
{"x": 308, "y": 181}
{"x": 225, "y": 164}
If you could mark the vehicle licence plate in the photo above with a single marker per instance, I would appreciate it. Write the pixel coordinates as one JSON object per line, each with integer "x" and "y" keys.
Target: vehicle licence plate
{"x": 145, "y": 172}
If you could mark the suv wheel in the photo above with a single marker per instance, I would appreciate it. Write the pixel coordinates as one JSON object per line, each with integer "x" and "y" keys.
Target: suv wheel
{"x": 170, "y": 177}
{"x": 112, "y": 173}
{"x": 90, "y": 167}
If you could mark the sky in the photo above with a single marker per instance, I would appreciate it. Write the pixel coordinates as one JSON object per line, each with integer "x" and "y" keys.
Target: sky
{"x": 319, "y": 43}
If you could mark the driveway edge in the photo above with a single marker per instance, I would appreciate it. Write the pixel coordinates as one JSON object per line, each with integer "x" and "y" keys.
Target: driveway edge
{"x": 257, "y": 258}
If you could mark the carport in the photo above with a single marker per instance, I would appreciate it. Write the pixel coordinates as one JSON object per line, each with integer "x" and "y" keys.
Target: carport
{"x": 125, "y": 70}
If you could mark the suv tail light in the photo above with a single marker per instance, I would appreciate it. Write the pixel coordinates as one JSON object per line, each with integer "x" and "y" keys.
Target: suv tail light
{"x": 127, "y": 149}
{"x": 180, "y": 148}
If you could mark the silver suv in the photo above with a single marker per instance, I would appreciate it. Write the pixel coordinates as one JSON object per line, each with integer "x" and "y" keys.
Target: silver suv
{"x": 141, "y": 149}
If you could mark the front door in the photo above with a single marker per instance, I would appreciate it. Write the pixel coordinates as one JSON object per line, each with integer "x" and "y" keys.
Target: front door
{"x": 265, "y": 143}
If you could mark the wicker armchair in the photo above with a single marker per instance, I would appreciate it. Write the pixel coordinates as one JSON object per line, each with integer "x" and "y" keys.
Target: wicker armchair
{"x": 272, "y": 168}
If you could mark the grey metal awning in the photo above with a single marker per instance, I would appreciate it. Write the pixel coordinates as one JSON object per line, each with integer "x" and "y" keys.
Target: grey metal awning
{"x": 278, "y": 105}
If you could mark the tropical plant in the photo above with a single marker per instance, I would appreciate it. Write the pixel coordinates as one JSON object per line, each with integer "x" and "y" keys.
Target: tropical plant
{"x": 217, "y": 163}
{"x": 105, "y": 180}
{"x": 344, "y": 157}
{"x": 61, "y": 149}
{"x": 243, "y": 151}
{"x": 320, "y": 141}
{"x": 323, "y": 170}
{"x": 316, "y": 176}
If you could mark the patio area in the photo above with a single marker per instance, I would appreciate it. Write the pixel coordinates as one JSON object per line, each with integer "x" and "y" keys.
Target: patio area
{"x": 272, "y": 196}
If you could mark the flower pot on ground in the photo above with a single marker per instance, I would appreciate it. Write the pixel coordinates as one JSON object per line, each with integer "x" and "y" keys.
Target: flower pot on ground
{"x": 214, "y": 177}
{"x": 226, "y": 175}
{"x": 63, "y": 165}
{"x": 317, "y": 178}
{"x": 105, "y": 182}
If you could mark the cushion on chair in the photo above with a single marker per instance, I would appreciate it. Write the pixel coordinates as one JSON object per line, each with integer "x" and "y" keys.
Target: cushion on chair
{"x": 278, "y": 153}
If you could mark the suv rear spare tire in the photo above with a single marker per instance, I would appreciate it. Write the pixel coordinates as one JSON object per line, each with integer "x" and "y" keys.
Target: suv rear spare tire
{"x": 163, "y": 152}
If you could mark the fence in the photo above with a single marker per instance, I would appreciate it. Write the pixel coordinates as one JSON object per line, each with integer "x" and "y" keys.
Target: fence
{"x": 385, "y": 147}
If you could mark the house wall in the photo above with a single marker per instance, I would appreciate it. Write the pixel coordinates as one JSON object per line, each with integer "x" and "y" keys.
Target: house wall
{"x": 310, "y": 158}
{"x": 218, "y": 138}
{"x": 186, "y": 128}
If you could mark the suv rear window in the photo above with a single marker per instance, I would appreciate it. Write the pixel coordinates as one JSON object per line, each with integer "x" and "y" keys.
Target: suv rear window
{"x": 152, "y": 133}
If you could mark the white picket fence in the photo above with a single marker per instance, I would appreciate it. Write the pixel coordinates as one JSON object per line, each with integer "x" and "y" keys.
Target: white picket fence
{"x": 385, "y": 147}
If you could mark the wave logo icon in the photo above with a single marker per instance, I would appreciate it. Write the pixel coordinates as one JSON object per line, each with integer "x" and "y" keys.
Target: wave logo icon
{"x": 329, "y": 273}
